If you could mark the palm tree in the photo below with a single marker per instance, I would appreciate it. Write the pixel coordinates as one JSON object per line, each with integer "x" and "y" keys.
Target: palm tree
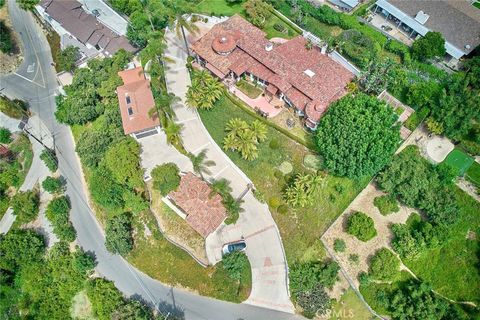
{"x": 221, "y": 187}
{"x": 172, "y": 131}
{"x": 260, "y": 130}
{"x": 200, "y": 162}
{"x": 204, "y": 91}
{"x": 181, "y": 24}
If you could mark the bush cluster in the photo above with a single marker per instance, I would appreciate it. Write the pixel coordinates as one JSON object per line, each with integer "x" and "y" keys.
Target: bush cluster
{"x": 58, "y": 213}
{"x": 361, "y": 226}
{"x": 386, "y": 204}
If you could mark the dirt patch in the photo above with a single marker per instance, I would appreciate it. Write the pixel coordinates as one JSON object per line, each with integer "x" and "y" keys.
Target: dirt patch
{"x": 10, "y": 62}
{"x": 177, "y": 229}
{"x": 364, "y": 250}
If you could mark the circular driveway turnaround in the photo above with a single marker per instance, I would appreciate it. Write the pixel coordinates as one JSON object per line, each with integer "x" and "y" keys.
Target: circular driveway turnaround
{"x": 437, "y": 148}
{"x": 129, "y": 280}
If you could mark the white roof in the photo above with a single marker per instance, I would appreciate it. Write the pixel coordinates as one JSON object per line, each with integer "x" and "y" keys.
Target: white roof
{"x": 415, "y": 25}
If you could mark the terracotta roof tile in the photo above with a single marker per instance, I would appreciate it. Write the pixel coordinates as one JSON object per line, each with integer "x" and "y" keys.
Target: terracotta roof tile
{"x": 204, "y": 212}
{"x": 302, "y": 74}
{"x": 134, "y": 112}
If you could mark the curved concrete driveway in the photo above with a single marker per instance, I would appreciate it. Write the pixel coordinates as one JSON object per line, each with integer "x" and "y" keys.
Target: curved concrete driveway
{"x": 256, "y": 225}
{"x": 39, "y": 92}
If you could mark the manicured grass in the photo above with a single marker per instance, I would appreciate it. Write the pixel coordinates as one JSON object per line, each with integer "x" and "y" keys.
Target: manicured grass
{"x": 249, "y": 89}
{"x": 452, "y": 268}
{"x": 473, "y": 174}
{"x": 459, "y": 160}
{"x": 350, "y": 307}
{"x": 273, "y": 33}
{"x": 300, "y": 228}
{"x": 162, "y": 260}
{"x": 219, "y": 8}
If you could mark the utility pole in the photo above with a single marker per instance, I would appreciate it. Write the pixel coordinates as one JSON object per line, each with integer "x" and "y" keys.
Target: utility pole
{"x": 52, "y": 151}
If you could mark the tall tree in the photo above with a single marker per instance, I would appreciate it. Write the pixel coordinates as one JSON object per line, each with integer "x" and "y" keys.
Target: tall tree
{"x": 200, "y": 162}
{"x": 429, "y": 46}
{"x": 357, "y": 136}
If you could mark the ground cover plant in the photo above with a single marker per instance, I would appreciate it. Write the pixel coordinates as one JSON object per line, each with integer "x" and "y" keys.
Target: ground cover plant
{"x": 249, "y": 89}
{"x": 13, "y": 108}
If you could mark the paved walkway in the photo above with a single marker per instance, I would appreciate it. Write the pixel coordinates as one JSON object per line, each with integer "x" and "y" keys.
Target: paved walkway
{"x": 256, "y": 225}
{"x": 259, "y": 102}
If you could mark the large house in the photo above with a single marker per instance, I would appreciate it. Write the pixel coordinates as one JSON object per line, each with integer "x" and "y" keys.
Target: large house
{"x": 457, "y": 20}
{"x": 68, "y": 18}
{"x": 136, "y": 100}
{"x": 300, "y": 74}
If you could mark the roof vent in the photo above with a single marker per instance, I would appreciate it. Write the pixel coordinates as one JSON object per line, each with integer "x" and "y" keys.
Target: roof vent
{"x": 467, "y": 46}
{"x": 269, "y": 46}
{"x": 309, "y": 73}
{"x": 223, "y": 39}
{"x": 421, "y": 17}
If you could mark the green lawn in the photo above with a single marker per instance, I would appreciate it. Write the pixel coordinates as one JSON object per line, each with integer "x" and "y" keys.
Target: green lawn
{"x": 300, "y": 228}
{"x": 473, "y": 174}
{"x": 459, "y": 160}
{"x": 249, "y": 89}
{"x": 350, "y": 307}
{"x": 452, "y": 269}
{"x": 273, "y": 33}
{"x": 219, "y": 8}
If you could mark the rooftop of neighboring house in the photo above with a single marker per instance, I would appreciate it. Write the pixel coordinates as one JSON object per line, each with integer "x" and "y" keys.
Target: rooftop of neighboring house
{"x": 457, "y": 20}
{"x": 205, "y": 212}
{"x": 135, "y": 99}
{"x": 84, "y": 26}
{"x": 303, "y": 74}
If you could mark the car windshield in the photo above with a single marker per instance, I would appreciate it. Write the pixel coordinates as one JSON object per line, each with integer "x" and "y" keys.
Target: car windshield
{"x": 236, "y": 246}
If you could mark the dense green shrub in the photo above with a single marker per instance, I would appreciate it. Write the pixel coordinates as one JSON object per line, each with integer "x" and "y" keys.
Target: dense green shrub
{"x": 305, "y": 276}
{"x": 369, "y": 136}
{"x": 280, "y": 27}
{"x": 417, "y": 183}
{"x": 6, "y": 42}
{"x": 52, "y": 185}
{"x": 13, "y": 108}
{"x": 67, "y": 57}
{"x": 399, "y": 48}
{"x": 25, "y": 206}
{"x": 384, "y": 265}
{"x": 416, "y": 118}
{"x": 359, "y": 48}
{"x": 314, "y": 302}
{"x": 123, "y": 161}
{"x": 5, "y": 135}
{"x": 166, "y": 178}
{"x": 58, "y": 213}
{"x": 235, "y": 262}
{"x": 118, "y": 234}
{"x": 105, "y": 190}
{"x": 339, "y": 245}
{"x": 50, "y": 159}
{"x": 361, "y": 226}
{"x": 386, "y": 204}
{"x": 91, "y": 140}
{"x": 353, "y": 258}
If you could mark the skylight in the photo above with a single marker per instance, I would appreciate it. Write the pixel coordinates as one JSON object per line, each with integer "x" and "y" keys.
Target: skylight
{"x": 309, "y": 73}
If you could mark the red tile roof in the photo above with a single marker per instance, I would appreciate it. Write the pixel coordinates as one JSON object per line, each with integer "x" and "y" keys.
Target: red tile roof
{"x": 302, "y": 74}
{"x": 204, "y": 212}
{"x": 137, "y": 88}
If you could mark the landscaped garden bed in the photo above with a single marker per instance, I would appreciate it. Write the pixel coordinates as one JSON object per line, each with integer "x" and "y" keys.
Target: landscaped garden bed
{"x": 249, "y": 89}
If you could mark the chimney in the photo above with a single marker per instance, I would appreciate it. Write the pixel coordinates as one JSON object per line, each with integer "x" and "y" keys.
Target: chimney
{"x": 323, "y": 50}
{"x": 269, "y": 46}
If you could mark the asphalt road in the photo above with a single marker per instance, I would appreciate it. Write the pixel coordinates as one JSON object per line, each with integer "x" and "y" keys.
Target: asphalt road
{"x": 35, "y": 82}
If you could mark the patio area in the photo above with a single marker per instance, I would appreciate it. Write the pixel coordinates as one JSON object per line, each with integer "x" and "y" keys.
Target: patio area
{"x": 388, "y": 27}
{"x": 269, "y": 108}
